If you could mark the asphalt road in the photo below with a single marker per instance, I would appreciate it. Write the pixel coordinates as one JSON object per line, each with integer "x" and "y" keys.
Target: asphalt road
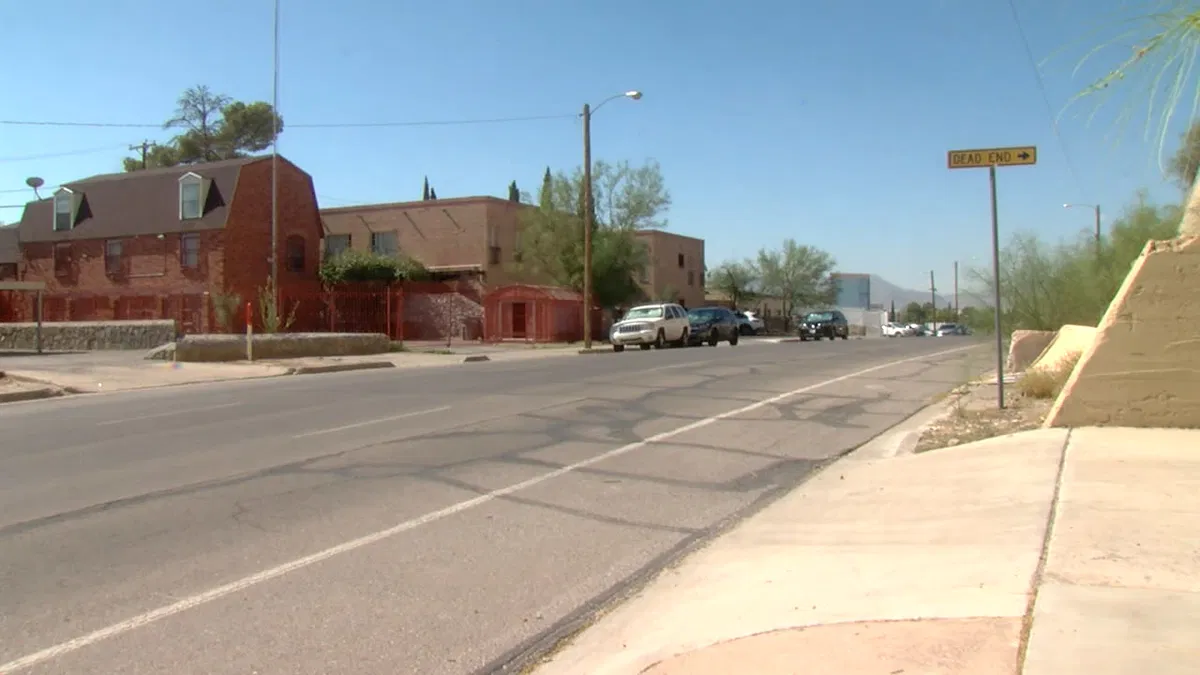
{"x": 429, "y": 520}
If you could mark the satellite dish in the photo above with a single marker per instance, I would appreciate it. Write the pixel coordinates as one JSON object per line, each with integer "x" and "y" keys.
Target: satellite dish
{"x": 35, "y": 183}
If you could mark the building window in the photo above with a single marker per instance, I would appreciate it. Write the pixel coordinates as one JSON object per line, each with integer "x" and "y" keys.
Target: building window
{"x": 691, "y": 278}
{"x": 112, "y": 256}
{"x": 62, "y": 260}
{"x": 189, "y": 251}
{"x": 493, "y": 255}
{"x": 189, "y": 198}
{"x": 336, "y": 244}
{"x": 8, "y": 271}
{"x": 681, "y": 260}
{"x": 63, "y": 206}
{"x": 294, "y": 256}
{"x": 384, "y": 243}
{"x": 644, "y": 274}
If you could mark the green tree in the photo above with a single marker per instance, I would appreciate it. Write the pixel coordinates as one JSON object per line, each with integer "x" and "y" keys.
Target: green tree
{"x": 626, "y": 199}
{"x": 1046, "y": 285}
{"x": 212, "y": 127}
{"x": 432, "y": 193}
{"x": 514, "y": 193}
{"x": 801, "y": 276}
{"x": 914, "y": 313}
{"x": 547, "y": 191}
{"x": 425, "y": 190}
{"x": 737, "y": 281}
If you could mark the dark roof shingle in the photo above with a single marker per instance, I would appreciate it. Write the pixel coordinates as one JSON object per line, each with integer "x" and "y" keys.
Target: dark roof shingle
{"x": 136, "y": 203}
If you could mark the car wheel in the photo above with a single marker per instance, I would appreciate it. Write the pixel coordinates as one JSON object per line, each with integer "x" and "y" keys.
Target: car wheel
{"x": 645, "y": 348}
{"x": 618, "y": 348}
{"x": 846, "y": 335}
{"x": 713, "y": 337}
{"x": 733, "y": 339}
{"x": 660, "y": 340}
{"x": 683, "y": 339}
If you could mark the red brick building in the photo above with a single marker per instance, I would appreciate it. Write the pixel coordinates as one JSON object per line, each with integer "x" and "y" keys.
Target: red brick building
{"x": 10, "y": 253}
{"x": 161, "y": 243}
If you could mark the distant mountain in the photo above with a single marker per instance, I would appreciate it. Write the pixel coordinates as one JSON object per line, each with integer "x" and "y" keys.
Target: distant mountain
{"x": 884, "y": 292}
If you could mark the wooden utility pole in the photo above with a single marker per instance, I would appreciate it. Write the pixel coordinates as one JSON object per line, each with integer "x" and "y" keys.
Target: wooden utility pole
{"x": 144, "y": 148}
{"x": 933, "y": 301}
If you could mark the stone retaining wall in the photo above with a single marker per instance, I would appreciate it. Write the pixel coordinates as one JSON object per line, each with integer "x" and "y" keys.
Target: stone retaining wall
{"x": 87, "y": 335}
{"x": 211, "y": 348}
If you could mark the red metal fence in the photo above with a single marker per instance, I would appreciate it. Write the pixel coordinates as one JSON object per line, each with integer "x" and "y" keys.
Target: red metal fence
{"x": 409, "y": 311}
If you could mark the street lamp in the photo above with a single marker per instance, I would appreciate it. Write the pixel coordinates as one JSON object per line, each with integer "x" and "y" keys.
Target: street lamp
{"x": 1096, "y": 208}
{"x": 587, "y": 210}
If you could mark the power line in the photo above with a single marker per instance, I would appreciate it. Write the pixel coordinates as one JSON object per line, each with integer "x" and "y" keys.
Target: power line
{"x": 1041, "y": 84}
{"x": 322, "y": 125}
{"x": 16, "y": 190}
{"x": 68, "y": 153}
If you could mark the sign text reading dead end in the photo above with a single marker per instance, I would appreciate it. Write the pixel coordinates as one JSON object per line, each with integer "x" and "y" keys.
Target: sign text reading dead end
{"x": 977, "y": 159}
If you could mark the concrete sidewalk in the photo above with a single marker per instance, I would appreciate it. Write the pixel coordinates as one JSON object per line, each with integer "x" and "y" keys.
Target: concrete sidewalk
{"x": 933, "y": 563}
{"x": 81, "y": 376}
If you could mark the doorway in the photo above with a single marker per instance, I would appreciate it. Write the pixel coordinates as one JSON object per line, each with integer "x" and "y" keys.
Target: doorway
{"x": 520, "y": 314}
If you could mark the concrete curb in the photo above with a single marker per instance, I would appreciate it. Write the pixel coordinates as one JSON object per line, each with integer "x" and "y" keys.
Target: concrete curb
{"x": 901, "y": 439}
{"x": 476, "y": 358}
{"x": 339, "y": 367}
{"x": 29, "y": 394}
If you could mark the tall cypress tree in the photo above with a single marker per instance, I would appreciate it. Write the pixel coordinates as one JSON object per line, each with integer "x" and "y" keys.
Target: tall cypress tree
{"x": 514, "y": 194}
{"x": 546, "y": 198}
{"x": 425, "y": 190}
{"x": 432, "y": 193}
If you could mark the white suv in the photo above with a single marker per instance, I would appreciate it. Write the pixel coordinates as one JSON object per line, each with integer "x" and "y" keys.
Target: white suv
{"x": 651, "y": 326}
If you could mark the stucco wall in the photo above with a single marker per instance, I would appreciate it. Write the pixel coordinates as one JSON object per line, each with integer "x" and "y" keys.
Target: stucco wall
{"x": 1143, "y": 368}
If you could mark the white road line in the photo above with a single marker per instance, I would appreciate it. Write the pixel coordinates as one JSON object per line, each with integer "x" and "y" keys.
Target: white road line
{"x": 370, "y": 422}
{"x": 244, "y": 583}
{"x": 183, "y": 411}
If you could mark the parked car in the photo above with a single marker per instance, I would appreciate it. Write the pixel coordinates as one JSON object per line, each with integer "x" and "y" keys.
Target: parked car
{"x": 749, "y": 323}
{"x": 712, "y": 325}
{"x": 827, "y": 324}
{"x": 950, "y": 329}
{"x": 651, "y": 326}
{"x": 894, "y": 329}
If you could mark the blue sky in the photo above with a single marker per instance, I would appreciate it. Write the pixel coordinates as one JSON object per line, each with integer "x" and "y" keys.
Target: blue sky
{"x": 825, "y": 122}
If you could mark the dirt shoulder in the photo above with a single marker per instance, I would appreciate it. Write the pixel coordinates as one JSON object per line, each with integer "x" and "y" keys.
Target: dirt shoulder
{"x": 973, "y": 415}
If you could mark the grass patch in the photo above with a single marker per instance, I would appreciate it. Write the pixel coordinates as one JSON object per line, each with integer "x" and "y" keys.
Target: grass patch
{"x": 1048, "y": 381}
{"x": 397, "y": 346}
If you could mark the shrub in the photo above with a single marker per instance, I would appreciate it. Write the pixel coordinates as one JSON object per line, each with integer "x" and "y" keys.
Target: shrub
{"x": 361, "y": 266}
{"x": 1047, "y": 381}
{"x": 225, "y": 308}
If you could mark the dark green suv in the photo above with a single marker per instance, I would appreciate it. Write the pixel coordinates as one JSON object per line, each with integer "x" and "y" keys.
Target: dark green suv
{"x": 827, "y": 324}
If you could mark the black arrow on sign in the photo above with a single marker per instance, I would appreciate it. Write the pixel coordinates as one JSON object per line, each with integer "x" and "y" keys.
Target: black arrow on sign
{"x": 1023, "y": 155}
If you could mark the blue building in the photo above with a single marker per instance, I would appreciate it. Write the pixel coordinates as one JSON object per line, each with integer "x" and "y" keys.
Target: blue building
{"x": 853, "y": 290}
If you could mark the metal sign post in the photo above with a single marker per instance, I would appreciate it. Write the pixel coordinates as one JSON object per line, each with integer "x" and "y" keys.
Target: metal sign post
{"x": 992, "y": 158}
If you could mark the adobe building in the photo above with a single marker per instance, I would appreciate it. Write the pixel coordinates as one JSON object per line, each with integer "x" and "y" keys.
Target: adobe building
{"x": 473, "y": 238}
{"x": 479, "y": 238}
{"x": 676, "y": 271}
